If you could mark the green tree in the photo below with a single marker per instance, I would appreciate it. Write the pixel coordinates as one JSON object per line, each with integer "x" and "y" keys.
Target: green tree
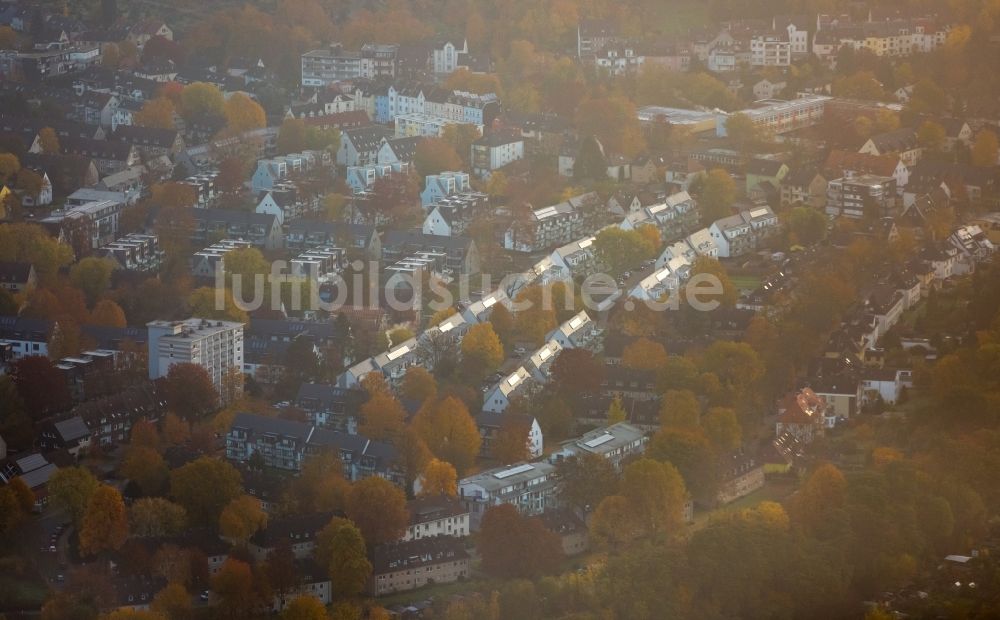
{"x": 616, "y": 413}
{"x": 201, "y": 101}
{"x": 722, "y": 428}
{"x": 590, "y": 163}
{"x": 690, "y": 452}
{"x": 71, "y": 488}
{"x": 931, "y": 136}
{"x": 807, "y": 225}
{"x": 717, "y": 194}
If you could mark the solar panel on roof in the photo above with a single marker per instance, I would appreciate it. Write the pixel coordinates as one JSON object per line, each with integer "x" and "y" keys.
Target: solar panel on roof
{"x": 597, "y": 441}
{"x": 513, "y": 471}
{"x": 586, "y": 243}
{"x": 575, "y": 322}
{"x": 445, "y": 327}
{"x": 30, "y": 462}
{"x": 513, "y": 379}
{"x": 758, "y": 213}
{"x": 403, "y": 350}
{"x": 544, "y": 353}
{"x": 489, "y": 301}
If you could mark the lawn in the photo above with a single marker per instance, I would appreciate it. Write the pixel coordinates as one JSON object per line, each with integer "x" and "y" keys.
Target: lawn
{"x": 21, "y": 587}
{"x": 749, "y": 283}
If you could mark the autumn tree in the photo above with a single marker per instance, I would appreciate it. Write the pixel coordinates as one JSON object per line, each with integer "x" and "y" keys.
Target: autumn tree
{"x": 481, "y": 350}
{"x": 30, "y": 243}
{"x": 190, "y": 391}
{"x": 714, "y": 284}
{"x": 201, "y": 102}
{"x": 449, "y": 432}
{"x": 590, "y": 162}
{"x": 619, "y": 250}
{"x": 513, "y": 546}
{"x": 16, "y": 504}
{"x": 382, "y": 417}
{"x": 419, "y": 385}
{"x": 234, "y": 585}
{"x": 157, "y": 113}
{"x": 722, "y": 428}
{"x": 40, "y": 385}
{"x": 511, "y": 442}
{"x": 243, "y": 113}
{"x": 173, "y": 602}
{"x": 434, "y": 155}
{"x": 615, "y": 123}
{"x": 644, "y": 354}
{"x": 716, "y": 195}
{"x": 242, "y": 518}
{"x": 305, "y": 607}
{"x": 71, "y": 488}
{"x": 413, "y": 456}
{"x": 806, "y": 225}
{"x": 985, "y": 148}
{"x": 736, "y": 364}
{"x": 378, "y": 508}
{"x": 931, "y": 136}
{"x": 202, "y": 304}
{"x": 823, "y": 493}
{"x": 680, "y": 409}
{"x": 9, "y": 166}
{"x": 439, "y": 478}
{"x": 176, "y": 430}
{"x": 204, "y": 487}
{"x": 49, "y": 141}
{"x": 341, "y": 548}
{"x": 107, "y": 313}
{"x": 105, "y": 522}
{"x": 654, "y": 494}
{"x": 586, "y": 479}
{"x": 577, "y": 372}
{"x": 153, "y": 517}
{"x": 146, "y": 468}
{"x": 616, "y": 412}
{"x": 320, "y": 487}
{"x": 689, "y": 450}
{"x": 292, "y": 135}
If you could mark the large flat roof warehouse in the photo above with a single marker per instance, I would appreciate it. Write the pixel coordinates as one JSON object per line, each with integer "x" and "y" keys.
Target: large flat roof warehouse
{"x": 696, "y": 120}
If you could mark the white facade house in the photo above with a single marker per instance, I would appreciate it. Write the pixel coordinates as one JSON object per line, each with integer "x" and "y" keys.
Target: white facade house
{"x": 770, "y": 50}
{"x": 442, "y": 184}
{"x": 447, "y": 56}
{"x": 216, "y": 346}
{"x": 436, "y": 516}
{"x": 579, "y": 331}
{"x": 530, "y": 487}
{"x": 494, "y": 152}
{"x": 738, "y": 234}
{"x": 499, "y": 397}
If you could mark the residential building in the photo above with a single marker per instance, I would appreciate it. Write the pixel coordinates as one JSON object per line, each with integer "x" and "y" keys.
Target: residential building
{"x": 296, "y": 531}
{"x": 436, "y": 515}
{"x": 802, "y": 415}
{"x": 580, "y": 331}
{"x": 900, "y": 142}
{"x": 263, "y": 230}
{"x": 402, "y": 566}
{"x": 740, "y": 475}
{"x": 803, "y": 185}
{"x": 419, "y": 124}
{"x": 271, "y": 172}
{"x": 358, "y": 239}
{"x": 313, "y": 581}
{"x": 363, "y": 178}
{"x": 495, "y": 151}
{"x": 551, "y": 226}
{"x": 216, "y": 346}
{"x": 617, "y": 444}
{"x": 862, "y": 196}
{"x": 883, "y": 384}
{"x": 771, "y": 49}
{"x": 135, "y": 252}
{"x": 768, "y": 89}
{"x": 443, "y": 184}
{"x": 744, "y": 232}
{"x": 530, "y": 487}
{"x": 17, "y": 277}
{"x": 453, "y": 215}
{"x": 87, "y": 226}
{"x": 360, "y": 146}
{"x": 499, "y": 397}
{"x": 447, "y": 56}
{"x": 454, "y": 255}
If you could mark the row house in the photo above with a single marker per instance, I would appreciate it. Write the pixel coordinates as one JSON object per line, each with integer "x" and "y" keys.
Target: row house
{"x": 453, "y": 215}
{"x": 362, "y": 178}
{"x": 151, "y": 142}
{"x": 359, "y": 240}
{"x": 270, "y": 172}
{"x": 901, "y": 142}
{"x": 575, "y": 258}
{"x": 529, "y": 487}
{"x": 403, "y": 566}
{"x": 284, "y": 444}
{"x": 392, "y": 364}
{"x": 548, "y": 227}
{"x": 331, "y": 406}
{"x": 135, "y": 252}
{"x": 360, "y": 146}
{"x": 578, "y": 332}
{"x": 109, "y": 157}
{"x": 263, "y": 230}
{"x": 436, "y": 515}
{"x": 443, "y": 184}
{"x": 617, "y": 444}
{"x": 286, "y": 202}
{"x": 459, "y": 255}
{"x": 744, "y": 232}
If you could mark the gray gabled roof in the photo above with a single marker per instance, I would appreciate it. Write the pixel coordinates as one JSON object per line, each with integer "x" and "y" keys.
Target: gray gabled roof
{"x": 72, "y": 429}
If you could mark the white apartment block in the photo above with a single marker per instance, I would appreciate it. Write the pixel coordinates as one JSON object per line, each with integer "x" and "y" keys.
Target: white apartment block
{"x": 770, "y": 50}
{"x": 443, "y": 184}
{"x": 420, "y": 124}
{"x": 216, "y": 346}
{"x": 494, "y": 152}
